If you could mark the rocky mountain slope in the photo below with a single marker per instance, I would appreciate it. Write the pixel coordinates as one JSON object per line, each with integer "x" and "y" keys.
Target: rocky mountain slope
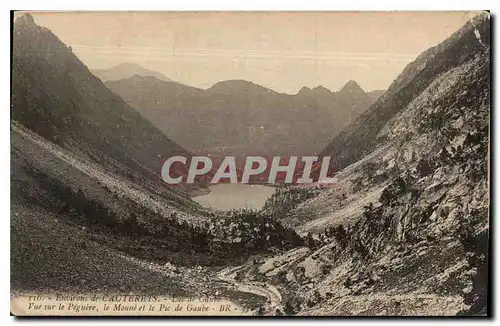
{"x": 239, "y": 117}
{"x": 405, "y": 232}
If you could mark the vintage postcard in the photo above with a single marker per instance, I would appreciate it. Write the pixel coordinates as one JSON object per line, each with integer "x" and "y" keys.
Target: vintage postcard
{"x": 250, "y": 163}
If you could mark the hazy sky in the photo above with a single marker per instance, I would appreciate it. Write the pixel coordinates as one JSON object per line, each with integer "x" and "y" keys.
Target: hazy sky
{"x": 282, "y": 51}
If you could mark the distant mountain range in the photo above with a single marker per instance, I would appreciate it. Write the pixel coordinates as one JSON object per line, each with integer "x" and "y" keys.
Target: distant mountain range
{"x": 126, "y": 70}
{"x": 239, "y": 117}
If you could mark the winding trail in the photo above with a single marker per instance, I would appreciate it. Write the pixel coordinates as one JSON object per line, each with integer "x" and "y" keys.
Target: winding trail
{"x": 262, "y": 289}
{"x": 227, "y": 275}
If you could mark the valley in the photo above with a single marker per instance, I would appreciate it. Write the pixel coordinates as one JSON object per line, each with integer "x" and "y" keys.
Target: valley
{"x": 404, "y": 231}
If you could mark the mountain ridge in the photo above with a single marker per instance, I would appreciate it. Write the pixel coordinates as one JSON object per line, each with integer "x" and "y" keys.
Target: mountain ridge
{"x": 241, "y": 116}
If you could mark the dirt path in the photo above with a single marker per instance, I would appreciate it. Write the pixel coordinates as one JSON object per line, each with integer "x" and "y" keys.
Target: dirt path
{"x": 263, "y": 289}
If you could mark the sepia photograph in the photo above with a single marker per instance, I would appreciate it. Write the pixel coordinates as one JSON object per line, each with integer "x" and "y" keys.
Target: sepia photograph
{"x": 216, "y": 163}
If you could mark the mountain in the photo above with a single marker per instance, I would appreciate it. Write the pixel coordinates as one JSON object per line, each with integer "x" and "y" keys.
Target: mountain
{"x": 319, "y": 91}
{"x": 166, "y": 89}
{"x": 405, "y": 231}
{"x": 353, "y": 97}
{"x": 360, "y": 137}
{"x": 239, "y": 117}
{"x": 55, "y": 95}
{"x": 126, "y": 70}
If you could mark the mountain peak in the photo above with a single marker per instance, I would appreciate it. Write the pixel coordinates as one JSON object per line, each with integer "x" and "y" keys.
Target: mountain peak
{"x": 304, "y": 90}
{"x": 25, "y": 20}
{"x": 126, "y": 70}
{"x": 318, "y": 90}
{"x": 351, "y": 87}
{"x": 322, "y": 90}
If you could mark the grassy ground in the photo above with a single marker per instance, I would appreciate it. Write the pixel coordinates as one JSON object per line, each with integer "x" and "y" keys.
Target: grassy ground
{"x": 49, "y": 253}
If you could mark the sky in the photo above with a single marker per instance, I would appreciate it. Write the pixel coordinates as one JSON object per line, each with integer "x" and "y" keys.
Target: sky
{"x": 282, "y": 50}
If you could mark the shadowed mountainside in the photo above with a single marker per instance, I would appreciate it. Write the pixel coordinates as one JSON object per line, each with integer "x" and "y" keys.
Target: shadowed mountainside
{"x": 56, "y": 96}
